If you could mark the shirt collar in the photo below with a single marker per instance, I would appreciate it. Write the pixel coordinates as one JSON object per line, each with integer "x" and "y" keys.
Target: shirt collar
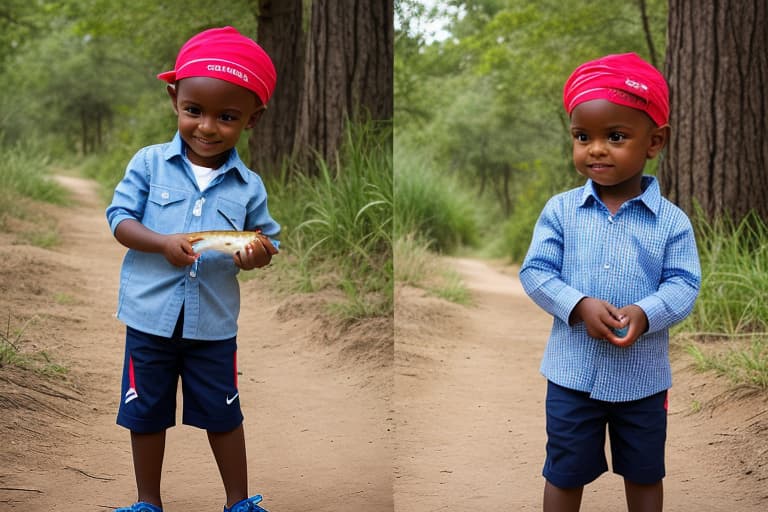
{"x": 176, "y": 149}
{"x": 651, "y": 196}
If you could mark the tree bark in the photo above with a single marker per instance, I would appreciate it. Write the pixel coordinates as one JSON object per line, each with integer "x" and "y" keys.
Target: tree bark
{"x": 340, "y": 69}
{"x": 717, "y": 68}
{"x": 282, "y": 36}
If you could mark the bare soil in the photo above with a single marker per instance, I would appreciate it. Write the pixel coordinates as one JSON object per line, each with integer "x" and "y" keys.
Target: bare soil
{"x": 337, "y": 419}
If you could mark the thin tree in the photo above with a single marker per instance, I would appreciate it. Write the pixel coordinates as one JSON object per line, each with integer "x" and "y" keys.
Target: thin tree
{"x": 717, "y": 68}
{"x": 334, "y": 62}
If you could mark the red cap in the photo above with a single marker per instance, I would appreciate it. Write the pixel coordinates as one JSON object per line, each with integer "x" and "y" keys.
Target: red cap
{"x": 624, "y": 79}
{"x": 226, "y": 54}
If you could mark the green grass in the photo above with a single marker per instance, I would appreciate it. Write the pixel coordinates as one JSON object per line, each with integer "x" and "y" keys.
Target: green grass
{"x": 733, "y": 299}
{"x": 337, "y": 225}
{"x": 24, "y": 180}
{"x": 744, "y": 363}
{"x": 729, "y": 322}
{"x": 416, "y": 265}
{"x": 433, "y": 205}
{"x": 11, "y": 353}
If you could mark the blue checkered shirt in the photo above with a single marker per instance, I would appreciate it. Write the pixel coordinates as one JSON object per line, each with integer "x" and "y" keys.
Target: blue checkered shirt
{"x": 645, "y": 254}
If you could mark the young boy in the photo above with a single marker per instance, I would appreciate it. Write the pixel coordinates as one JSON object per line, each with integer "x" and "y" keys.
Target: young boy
{"x": 616, "y": 265}
{"x": 180, "y": 307}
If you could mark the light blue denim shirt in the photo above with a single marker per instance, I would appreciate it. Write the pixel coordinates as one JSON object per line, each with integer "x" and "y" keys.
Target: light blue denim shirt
{"x": 644, "y": 255}
{"x": 160, "y": 191}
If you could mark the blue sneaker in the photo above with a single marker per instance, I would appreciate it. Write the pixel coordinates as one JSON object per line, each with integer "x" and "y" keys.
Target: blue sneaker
{"x": 141, "y": 506}
{"x": 247, "y": 505}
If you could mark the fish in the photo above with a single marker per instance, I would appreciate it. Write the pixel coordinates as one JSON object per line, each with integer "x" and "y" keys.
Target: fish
{"x": 229, "y": 242}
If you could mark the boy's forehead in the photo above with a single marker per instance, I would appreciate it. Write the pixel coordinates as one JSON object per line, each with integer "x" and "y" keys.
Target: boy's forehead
{"x": 203, "y": 88}
{"x": 605, "y": 112}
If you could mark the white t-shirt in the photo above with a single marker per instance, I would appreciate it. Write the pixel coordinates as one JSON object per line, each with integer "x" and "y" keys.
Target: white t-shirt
{"x": 204, "y": 175}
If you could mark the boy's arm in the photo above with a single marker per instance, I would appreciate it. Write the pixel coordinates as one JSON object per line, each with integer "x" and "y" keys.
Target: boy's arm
{"x": 680, "y": 281}
{"x": 541, "y": 270}
{"x": 176, "y": 248}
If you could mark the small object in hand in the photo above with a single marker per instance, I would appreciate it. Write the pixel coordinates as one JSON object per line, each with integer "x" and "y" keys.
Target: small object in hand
{"x": 621, "y": 332}
{"x": 229, "y": 242}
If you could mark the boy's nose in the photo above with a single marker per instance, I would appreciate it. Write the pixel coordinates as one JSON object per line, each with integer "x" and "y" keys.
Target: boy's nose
{"x": 206, "y": 124}
{"x": 597, "y": 148}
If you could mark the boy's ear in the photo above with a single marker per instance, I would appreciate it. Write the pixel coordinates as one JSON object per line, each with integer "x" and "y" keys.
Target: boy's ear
{"x": 659, "y": 138}
{"x": 171, "y": 89}
{"x": 255, "y": 117}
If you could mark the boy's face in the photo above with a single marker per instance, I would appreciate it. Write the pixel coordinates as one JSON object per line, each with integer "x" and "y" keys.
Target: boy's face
{"x": 211, "y": 115}
{"x": 612, "y": 142}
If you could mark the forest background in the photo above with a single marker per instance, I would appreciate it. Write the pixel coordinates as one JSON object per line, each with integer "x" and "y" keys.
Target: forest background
{"x": 480, "y": 142}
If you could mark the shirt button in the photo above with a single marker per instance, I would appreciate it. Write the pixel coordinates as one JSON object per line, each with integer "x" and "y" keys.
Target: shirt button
{"x": 607, "y": 266}
{"x": 610, "y": 219}
{"x": 165, "y": 195}
{"x": 192, "y": 274}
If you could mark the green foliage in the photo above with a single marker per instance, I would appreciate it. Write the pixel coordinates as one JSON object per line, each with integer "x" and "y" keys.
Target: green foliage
{"x": 734, "y": 290}
{"x": 11, "y": 352}
{"x": 431, "y": 205}
{"x": 485, "y": 104}
{"x": 24, "y": 175}
{"x": 339, "y": 224}
{"x": 416, "y": 265}
{"x": 742, "y": 364}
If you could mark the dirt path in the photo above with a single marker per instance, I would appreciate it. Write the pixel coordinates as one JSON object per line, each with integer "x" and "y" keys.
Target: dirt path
{"x": 463, "y": 428}
{"x": 470, "y": 415}
{"x": 317, "y": 426}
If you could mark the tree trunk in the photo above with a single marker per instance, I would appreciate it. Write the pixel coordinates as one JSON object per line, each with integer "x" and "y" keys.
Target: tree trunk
{"x": 282, "y": 36}
{"x": 717, "y": 68}
{"x": 341, "y": 69}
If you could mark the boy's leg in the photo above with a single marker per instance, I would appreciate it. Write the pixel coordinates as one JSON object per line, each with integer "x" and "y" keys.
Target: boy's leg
{"x": 148, "y": 451}
{"x": 644, "y": 498}
{"x": 557, "y": 499}
{"x": 229, "y": 451}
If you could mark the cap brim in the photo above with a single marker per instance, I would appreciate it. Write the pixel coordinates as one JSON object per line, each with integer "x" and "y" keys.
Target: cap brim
{"x": 168, "y": 76}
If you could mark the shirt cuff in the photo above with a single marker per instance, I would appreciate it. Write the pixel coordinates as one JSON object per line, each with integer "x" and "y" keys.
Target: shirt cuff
{"x": 655, "y": 311}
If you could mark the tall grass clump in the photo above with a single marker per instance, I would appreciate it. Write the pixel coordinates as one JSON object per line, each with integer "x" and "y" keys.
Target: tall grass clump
{"x": 432, "y": 206}
{"x": 733, "y": 299}
{"x": 25, "y": 175}
{"x": 338, "y": 223}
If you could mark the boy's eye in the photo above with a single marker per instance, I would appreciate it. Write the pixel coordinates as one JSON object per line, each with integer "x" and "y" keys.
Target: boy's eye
{"x": 192, "y": 110}
{"x": 616, "y": 137}
{"x": 580, "y": 137}
{"x": 228, "y": 117}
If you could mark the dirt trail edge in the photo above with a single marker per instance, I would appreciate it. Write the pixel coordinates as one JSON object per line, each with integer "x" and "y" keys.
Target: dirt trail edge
{"x": 318, "y": 415}
{"x": 470, "y": 414}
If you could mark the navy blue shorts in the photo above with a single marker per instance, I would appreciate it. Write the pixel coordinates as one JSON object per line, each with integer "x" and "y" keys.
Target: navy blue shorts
{"x": 576, "y": 426}
{"x": 152, "y": 368}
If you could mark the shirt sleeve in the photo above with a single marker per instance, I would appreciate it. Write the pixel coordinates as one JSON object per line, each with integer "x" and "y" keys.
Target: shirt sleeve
{"x": 258, "y": 216}
{"x": 680, "y": 281}
{"x": 130, "y": 197}
{"x": 541, "y": 271}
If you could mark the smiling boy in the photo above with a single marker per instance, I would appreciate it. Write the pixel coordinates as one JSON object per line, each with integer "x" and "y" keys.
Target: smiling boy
{"x": 616, "y": 265}
{"x": 181, "y": 308}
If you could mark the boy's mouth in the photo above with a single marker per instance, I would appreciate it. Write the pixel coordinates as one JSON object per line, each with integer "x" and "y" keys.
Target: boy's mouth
{"x": 599, "y": 166}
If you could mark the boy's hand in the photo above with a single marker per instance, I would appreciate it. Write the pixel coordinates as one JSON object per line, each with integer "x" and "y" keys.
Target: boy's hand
{"x": 636, "y": 322}
{"x": 178, "y": 251}
{"x": 599, "y": 317}
{"x": 254, "y": 255}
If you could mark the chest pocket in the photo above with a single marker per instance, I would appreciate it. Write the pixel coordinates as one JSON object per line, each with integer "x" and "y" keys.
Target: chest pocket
{"x": 229, "y": 215}
{"x": 166, "y": 209}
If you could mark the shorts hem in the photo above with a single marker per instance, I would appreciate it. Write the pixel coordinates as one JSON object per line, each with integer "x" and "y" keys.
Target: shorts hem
{"x": 213, "y": 425}
{"x": 143, "y": 426}
{"x": 571, "y": 481}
